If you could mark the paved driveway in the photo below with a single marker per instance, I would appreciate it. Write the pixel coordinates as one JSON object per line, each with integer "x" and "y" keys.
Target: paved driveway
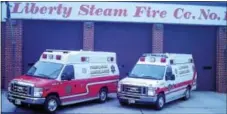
{"x": 200, "y": 103}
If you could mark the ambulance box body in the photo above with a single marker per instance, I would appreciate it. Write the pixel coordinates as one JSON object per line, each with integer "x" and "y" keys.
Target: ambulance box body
{"x": 158, "y": 79}
{"x": 64, "y": 77}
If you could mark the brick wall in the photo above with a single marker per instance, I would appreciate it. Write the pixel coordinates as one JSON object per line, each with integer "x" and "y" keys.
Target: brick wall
{"x": 157, "y": 38}
{"x": 7, "y": 59}
{"x": 88, "y": 44}
{"x": 2, "y": 53}
{"x": 88, "y": 36}
{"x": 221, "y": 71}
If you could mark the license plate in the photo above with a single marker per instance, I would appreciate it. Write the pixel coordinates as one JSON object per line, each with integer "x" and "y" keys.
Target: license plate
{"x": 18, "y": 102}
{"x": 131, "y": 101}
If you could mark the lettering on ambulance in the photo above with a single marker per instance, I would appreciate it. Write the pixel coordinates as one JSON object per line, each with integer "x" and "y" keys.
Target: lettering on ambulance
{"x": 183, "y": 70}
{"x": 99, "y": 70}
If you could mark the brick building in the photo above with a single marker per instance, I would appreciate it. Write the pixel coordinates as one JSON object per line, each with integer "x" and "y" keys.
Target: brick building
{"x": 127, "y": 28}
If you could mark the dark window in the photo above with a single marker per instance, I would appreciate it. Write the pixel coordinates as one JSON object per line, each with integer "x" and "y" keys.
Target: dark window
{"x": 169, "y": 74}
{"x": 68, "y": 71}
{"x": 169, "y": 71}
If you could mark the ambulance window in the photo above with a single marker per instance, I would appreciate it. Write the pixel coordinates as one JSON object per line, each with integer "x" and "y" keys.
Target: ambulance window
{"x": 68, "y": 72}
{"x": 169, "y": 71}
{"x": 169, "y": 74}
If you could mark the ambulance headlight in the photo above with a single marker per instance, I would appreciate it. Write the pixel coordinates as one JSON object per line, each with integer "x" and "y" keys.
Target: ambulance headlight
{"x": 9, "y": 86}
{"x": 151, "y": 91}
{"x": 38, "y": 92}
{"x": 119, "y": 86}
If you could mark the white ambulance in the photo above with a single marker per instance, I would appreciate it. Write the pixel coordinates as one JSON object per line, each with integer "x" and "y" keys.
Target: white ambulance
{"x": 158, "y": 78}
{"x": 63, "y": 77}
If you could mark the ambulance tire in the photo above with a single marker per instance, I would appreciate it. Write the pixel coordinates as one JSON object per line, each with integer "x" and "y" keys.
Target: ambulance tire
{"x": 160, "y": 102}
{"x": 51, "y": 100}
{"x": 187, "y": 94}
{"x": 103, "y": 95}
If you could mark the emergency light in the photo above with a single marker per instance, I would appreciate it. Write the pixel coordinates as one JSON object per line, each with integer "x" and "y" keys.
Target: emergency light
{"x": 84, "y": 59}
{"x": 58, "y": 57}
{"x": 142, "y": 59}
{"x": 163, "y": 60}
{"x": 44, "y": 56}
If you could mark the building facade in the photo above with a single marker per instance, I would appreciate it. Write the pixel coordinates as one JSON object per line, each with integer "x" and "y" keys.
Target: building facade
{"x": 127, "y": 28}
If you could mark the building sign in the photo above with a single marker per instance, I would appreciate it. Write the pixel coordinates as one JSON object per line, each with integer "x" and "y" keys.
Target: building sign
{"x": 121, "y": 12}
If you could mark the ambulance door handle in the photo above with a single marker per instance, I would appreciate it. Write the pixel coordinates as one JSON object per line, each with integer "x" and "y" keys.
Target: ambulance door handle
{"x": 74, "y": 85}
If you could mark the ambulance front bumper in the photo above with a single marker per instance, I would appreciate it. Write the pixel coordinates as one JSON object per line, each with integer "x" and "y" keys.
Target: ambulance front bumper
{"x": 137, "y": 99}
{"x": 24, "y": 99}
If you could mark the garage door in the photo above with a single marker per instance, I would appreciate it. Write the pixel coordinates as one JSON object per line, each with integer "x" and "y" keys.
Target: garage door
{"x": 128, "y": 40}
{"x": 41, "y": 35}
{"x": 199, "y": 41}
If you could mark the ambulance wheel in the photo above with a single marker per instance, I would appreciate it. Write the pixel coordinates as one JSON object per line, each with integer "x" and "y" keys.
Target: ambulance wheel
{"x": 102, "y": 95}
{"x": 51, "y": 104}
{"x": 160, "y": 102}
{"x": 187, "y": 94}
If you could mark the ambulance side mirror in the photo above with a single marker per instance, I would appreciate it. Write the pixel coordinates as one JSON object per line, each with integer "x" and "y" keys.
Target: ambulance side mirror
{"x": 170, "y": 76}
{"x": 66, "y": 76}
{"x": 68, "y": 73}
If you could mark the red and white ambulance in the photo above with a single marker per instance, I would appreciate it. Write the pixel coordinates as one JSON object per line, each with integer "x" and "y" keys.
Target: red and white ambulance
{"x": 158, "y": 79}
{"x": 62, "y": 77}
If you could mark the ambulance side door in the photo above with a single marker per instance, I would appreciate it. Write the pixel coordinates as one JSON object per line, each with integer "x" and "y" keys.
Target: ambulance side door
{"x": 67, "y": 78}
{"x": 81, "y": 76}
{"x": 170, "y": 83}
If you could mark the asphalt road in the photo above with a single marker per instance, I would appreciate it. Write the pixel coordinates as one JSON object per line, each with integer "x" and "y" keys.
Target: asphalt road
{"x": 200, "y": 103}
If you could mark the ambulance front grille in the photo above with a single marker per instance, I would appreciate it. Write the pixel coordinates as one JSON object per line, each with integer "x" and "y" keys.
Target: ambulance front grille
{"x": 21, "y": 89}
{"x": 131, "y": 89}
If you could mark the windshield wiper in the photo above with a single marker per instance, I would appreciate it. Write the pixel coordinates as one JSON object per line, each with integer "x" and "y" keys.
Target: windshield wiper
{"x": 150, "y": 77}
{"x": 29, "y": 74}
{"x": 132, "y": 75}
{"x": 44, "y": 76}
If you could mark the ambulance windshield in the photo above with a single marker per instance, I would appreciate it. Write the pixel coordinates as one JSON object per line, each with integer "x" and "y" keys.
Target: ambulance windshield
{"x": 148, "y": 71}
{"x": 45, "y": 70}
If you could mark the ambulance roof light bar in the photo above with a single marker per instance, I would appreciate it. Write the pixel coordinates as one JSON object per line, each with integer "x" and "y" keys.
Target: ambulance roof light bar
{"x": 155, "y": 54}
{"x": 53, "y": 50}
